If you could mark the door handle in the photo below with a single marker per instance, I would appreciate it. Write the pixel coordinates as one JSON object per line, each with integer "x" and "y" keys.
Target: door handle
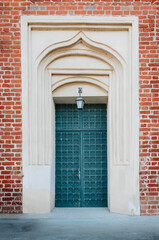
{"x": 78, "y": 174}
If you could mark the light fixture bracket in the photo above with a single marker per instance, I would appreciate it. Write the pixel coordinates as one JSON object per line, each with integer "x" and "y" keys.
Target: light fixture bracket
{"x": 79, "y": 100}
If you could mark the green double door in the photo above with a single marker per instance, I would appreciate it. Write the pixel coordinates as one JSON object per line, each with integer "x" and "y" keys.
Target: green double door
{"x": 81, "y": 156}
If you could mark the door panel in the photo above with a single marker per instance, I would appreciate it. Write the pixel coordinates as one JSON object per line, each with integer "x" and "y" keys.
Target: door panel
{"x": 95, "y": 169}
{"x": 67, "y": 117}
{"x": 81, "y": 156}
{"x": 67, "y": 167}
{"x": 94, "y": 117}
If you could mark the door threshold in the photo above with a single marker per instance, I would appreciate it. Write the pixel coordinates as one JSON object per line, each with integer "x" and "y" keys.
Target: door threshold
{"x": 80, "y": 212}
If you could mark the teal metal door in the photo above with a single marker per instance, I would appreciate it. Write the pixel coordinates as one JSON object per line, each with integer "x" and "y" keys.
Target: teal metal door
{"x": 81, "y": 156}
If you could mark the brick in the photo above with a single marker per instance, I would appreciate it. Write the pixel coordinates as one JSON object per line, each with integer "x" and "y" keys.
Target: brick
{"x": 10, "y": 90}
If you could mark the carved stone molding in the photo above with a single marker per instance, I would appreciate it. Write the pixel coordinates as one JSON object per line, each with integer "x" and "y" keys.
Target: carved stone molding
{"x": 53, "y": 51}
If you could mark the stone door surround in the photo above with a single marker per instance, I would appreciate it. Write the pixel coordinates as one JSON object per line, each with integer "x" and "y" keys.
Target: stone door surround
{"x": 101, "y": 55}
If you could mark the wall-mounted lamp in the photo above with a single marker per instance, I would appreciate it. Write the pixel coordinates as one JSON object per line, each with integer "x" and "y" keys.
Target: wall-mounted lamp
{"x": 79, "y": 100}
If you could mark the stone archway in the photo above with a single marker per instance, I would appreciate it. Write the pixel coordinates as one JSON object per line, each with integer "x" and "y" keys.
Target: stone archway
{"x": 81, "y": 59}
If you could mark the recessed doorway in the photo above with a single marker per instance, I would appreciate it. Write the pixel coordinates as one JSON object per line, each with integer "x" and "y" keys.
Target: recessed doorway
{"x": 81, "y": 156}
{"x": 60, "y": 54}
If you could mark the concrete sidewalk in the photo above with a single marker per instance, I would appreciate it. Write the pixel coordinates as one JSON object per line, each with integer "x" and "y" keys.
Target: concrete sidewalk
{"x": 79, "y": 224}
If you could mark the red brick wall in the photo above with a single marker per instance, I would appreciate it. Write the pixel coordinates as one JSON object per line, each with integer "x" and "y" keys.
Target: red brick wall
{"x": 10, "y": 89}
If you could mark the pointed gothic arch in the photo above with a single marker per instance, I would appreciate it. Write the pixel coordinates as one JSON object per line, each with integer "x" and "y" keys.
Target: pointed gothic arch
{"x": 122, "y": 132}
